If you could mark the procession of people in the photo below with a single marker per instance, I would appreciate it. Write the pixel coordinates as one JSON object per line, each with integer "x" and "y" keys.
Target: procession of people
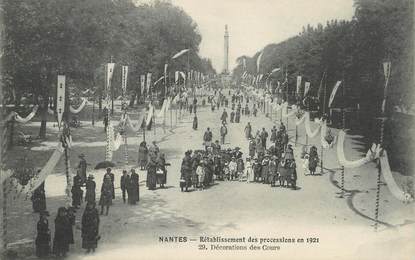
{"x": 269, "y": 159}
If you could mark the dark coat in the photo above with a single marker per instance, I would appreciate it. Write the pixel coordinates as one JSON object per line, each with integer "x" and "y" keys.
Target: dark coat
{"x": 43, "y": 238}
{"x": 133, "y": 187}
{"x": 142, "y": 155}
{"x": 151, "y": 174}
{"x": 106, "y": 194}
{"x": 62, "y": 238}
{"x": 90, "y": 228}
{"x": 90, "y": 196}
{"x": 39, "y": 198}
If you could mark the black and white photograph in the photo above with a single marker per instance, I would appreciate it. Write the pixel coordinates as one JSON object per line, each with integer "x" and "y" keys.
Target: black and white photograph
{"x": 207, "y": 129}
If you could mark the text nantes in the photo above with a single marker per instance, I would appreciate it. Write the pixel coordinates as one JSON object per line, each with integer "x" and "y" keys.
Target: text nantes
{"x": 173, "y": 239}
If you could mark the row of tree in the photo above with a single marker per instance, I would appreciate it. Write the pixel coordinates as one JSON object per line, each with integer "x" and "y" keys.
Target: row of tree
{"x": 77, "y": 38}
{"x": 352, "y": 51}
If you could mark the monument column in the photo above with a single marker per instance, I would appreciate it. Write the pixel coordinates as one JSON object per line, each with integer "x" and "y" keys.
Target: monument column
{"x": 226, "y": 52}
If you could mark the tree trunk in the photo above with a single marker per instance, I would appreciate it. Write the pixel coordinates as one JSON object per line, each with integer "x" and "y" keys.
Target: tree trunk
{"x": 44, "y": 113}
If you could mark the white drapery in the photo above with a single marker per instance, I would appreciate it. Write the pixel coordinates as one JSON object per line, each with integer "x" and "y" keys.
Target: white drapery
{"x": 36, "y": 181}
{"x": 299, "y": 121}
{"x": 285, "y": 108}
{"x": 393, "y": 187}
{"x": 24, "y": 120}
{"x": 342, "y": 158}
{"x": 149, "y": 115}
{"x": 79, "y": 109}
{"x": 308, "y": 130}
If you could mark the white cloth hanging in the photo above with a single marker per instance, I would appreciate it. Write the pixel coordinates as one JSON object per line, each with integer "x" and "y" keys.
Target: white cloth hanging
{"x": 342, "y": 158}
{"x": 79, "y": 109}
{"x": 393, "y": 187}
{"x": 36, "y": 181}
{"x": 24, "y": 120}
{"x": 299, "y": 121}
{"x": 310, "y": 133}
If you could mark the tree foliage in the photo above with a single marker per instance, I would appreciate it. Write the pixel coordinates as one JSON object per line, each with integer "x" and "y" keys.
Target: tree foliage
{"x": 352, "y": 51}
{"x": 77, "y": 37}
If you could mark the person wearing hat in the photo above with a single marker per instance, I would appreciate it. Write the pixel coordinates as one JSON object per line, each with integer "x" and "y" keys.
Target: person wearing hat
{"x": 313, "y": 160}
{"x": 249, "y": 171}
{"x": 154, "y": 150}
{"x": 201, "y": 175}
{"x": 63, "y": 230}
{"x": 90, "y": 196}
{"x": 152, "y": 173}
{"x": 224, "y": 116}
{"x": 77, "y": 192}
{"x": 124, "y": 182}
{"x": 142, "y": 155}
{"x": 273, "y": 138}
{"x": 112, "y": 177}
{"x": 273, "y": 167}
{"x": 42, "y": 241}
{"x": 106, "y": 194}
{"x": 39, "y": 198}
{"x": 207, "y": 138}
{"x": 133, "y": 188}
{"x": 161, "y": 162}
{"x": 90, "y": 228}
{"x": 264, "y": 137}
{"x": 265, "y": 170}
{"x": 195, "y": 122}
{"x": 223, "y": 133}
{"x": 240, "y": 167}
{"x": 248, "y": 131}
{"x": 186, "y": 171}
{"x": 233, "y": 168}
{"x": 82, "y": 166}
{"x": 233, "y": 114}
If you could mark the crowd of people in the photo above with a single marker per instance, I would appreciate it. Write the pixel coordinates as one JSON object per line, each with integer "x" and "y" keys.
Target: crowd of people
{"x": 267, "y": 163}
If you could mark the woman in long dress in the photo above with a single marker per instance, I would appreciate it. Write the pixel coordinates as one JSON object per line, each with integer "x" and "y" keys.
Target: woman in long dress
{"x": 151, "y": 173}
{"x": 43, "y": 236}
{"x": 248, "y": 171}
{"x": 106, "y": 194}
{"x": 133, "y": 188}
{"x": 90, "y": 228}
{"x": 62, "y": 237}
{"x": 142, "y": 155}
{"x": 90, "y": 196}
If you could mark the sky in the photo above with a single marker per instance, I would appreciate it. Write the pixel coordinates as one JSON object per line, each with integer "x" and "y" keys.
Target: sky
{"x": 253, "y": 24}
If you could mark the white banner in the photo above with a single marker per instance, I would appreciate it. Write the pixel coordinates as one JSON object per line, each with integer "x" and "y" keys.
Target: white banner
{"x": 306, "y": 88}
{"x": 258, "y": 61}
{"x": 79, "y": 109}
{"x": 180, "y": 53}
{"x": 109, "y": 72}
{"x": 333, "y": 92}
{"x": 176, "y": 77}
{"x": 124, "y": 80}
{"x": 60, "y": 95}
{"x": 148, "y": 83}
{"x": 299, "y": 78}
{"x": 143, "y": 83}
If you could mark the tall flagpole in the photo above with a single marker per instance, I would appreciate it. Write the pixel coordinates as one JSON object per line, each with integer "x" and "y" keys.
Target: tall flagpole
{"x": 324, "y": 118}
{"x": 387, "y": 69}
{"x": 344, "y": 128}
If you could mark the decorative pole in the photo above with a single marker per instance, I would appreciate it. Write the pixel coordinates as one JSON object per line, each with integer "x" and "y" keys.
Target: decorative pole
{"x": 3, "y": 214}
{"x": 343, "y": 110}
{"x": 93, "y": 111}
{"x": 387, "y": 70}
{"x": 324, "y": 119}
{"x": 286, "y": 93}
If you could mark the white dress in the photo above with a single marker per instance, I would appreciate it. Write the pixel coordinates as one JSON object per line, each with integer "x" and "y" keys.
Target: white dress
{"x": 249, "y": 172}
